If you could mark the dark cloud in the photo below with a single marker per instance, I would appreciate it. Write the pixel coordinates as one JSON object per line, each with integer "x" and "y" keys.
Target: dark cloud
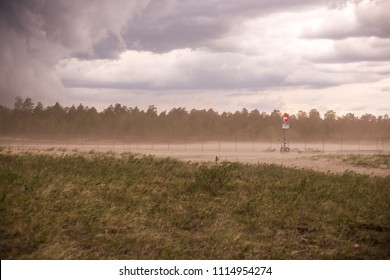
{"x": 166, "y": 25}
{"x": 108, "y": 48}
{"x": 36, "y": 34}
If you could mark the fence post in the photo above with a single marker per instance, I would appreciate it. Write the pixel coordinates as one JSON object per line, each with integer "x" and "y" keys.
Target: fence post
{"x": 341, "y": 144}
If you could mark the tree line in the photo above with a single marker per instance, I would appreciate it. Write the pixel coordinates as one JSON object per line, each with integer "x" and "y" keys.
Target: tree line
{"x": 27, "y": 118}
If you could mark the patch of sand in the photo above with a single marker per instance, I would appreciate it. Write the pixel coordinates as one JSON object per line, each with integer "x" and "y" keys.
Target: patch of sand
{"x": 295, "y": 159}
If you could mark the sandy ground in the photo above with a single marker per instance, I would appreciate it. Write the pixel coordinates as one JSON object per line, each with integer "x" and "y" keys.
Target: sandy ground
{"x": 297, "y": 158}
{"x": 310, "y": 160}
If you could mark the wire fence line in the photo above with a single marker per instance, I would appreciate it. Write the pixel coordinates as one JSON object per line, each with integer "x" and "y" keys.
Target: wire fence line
{"x": 133, "y": 143}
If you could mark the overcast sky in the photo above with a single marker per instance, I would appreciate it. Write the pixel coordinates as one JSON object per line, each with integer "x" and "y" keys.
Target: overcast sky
{"x": 289, "y": 55}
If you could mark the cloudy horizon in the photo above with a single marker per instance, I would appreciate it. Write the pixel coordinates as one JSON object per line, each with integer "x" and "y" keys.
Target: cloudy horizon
{"x": 288, "y": 55}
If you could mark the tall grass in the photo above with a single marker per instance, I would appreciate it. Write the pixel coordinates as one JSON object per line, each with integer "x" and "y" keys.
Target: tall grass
{"x": 101, "y": 206}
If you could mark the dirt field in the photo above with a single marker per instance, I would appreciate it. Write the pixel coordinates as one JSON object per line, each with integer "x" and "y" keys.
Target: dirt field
{"x": 315, "y": 161}
{"x": 302, "y": 157}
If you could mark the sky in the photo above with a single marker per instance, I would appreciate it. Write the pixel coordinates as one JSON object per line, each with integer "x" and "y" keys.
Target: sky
{"x": 288, "y": 55}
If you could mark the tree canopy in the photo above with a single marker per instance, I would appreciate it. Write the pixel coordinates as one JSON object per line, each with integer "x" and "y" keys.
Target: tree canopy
{"x": 180, "y": 124}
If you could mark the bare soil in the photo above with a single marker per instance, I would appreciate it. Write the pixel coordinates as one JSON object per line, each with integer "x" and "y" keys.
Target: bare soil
{"x": 196, "y": 152}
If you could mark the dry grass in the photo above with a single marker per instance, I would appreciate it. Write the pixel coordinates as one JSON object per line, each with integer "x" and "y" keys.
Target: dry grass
{"x": 377, "y": 161}
{"x": 101, "y": 206}
{"x": 380, "y": 161}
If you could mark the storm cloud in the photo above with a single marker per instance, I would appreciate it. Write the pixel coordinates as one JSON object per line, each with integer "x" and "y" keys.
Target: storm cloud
{"x": 161, "y": 50}
{"x": 171, "y": 24}
{"x": 35, "y": 35}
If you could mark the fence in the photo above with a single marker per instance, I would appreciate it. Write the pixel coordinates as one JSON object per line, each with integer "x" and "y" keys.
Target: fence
{"x": 131, "y": 143}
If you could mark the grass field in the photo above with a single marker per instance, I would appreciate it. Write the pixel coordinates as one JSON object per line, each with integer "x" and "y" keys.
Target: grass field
{"x": 109, "y": 206}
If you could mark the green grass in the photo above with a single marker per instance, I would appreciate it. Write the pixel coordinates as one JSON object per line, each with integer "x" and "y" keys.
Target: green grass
{"x": 104, "y": 206}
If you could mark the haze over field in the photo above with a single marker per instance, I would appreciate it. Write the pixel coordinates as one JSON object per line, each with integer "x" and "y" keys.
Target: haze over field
{"x": 152, "y": 129}
{"x": 289, "y": 55}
